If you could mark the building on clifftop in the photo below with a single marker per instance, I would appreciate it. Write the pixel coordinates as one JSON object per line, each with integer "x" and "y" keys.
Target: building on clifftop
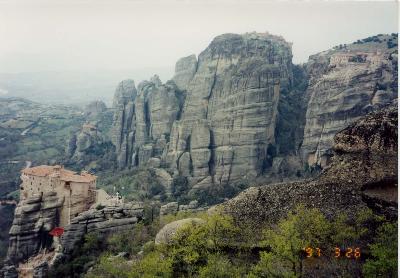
{"x": 78, "y": 191}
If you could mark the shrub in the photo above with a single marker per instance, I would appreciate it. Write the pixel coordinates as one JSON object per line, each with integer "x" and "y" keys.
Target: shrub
{"x": 219, "y": 266}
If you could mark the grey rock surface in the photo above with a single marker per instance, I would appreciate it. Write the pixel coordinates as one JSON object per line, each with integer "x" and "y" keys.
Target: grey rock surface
{"x": 34, "y": 218}
{"x": 230, "y": 109}
{"x": 345, "y": 84}
{"x": 169, "y": 208}
{"x": 363, "y": 174}
{"x": 9, "y": 271}
{"x": 83, "y": 144}
{"x": 242, "y": 111}
{"x": 143, "y": 121}
{"x": 104, "y": 221}
{"x": 185, "y": 69}
{"x": 123, "y": 129}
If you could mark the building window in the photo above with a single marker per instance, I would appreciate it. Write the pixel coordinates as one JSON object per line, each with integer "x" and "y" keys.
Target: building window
{"x": 67, "y": 183}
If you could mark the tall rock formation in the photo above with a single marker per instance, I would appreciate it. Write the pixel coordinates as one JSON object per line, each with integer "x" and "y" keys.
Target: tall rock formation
{"x": 33, "y": 220}
{"x": 229, "y": 115}
{"x": 345, "y": 83}
{"x": 242, "y": 109}
{"x": 143, "y": 120}
{"x": 123, "y": 130}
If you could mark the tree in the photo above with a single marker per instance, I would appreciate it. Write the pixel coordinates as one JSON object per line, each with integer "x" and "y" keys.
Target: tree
{"x": 302, "y": 228}
{"x": 193, "y": 244}
{"x": 384, "y": 253}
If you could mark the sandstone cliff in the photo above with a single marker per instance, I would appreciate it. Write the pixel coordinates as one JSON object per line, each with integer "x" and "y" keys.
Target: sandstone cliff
{"x": 123, "y": 123}
{"x": 363, "y": 173}
{"x": 229, "y": 116}
{"x": 37, "y": 216}
{"x": 34, "y": 218}
{"x": 344, "y": 84}
{"x": 242, "y": 110}
{"x": 214, "y": 123}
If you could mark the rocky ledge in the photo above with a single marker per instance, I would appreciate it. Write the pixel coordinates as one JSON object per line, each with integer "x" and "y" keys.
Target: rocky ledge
{"x": 36, "y": 217}
{"x": 103, "y": 221}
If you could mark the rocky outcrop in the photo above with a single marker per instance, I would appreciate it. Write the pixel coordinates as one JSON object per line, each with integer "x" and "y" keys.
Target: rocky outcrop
{"x": 214, "y": 122}
{"x": 143, "y": 121}
{"x": 230, "y": 110}
{"x": 87, "y": 148}
{"x": 169, "y": 208}
{"x": 167, "y": 233}
{"x": 241, "y": 110}
{"x": 9, "y": 271}
{"x": 185, "y": 69}
{"x": 174, "y": 207}
{"x": 94, "y": 108}
{"x": 88, "y": 138}
{"x": 345, "y": 83}
{"x": 36, "y": 217}
{"x": 103, "y": 221}
{"x": 363, "y": 173}
{"x": 33, "y": 220}
{"x": 123, "y": 129}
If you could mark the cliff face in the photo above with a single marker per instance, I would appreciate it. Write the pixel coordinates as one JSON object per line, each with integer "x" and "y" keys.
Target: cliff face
{"x": 103, "y": 221}
{"x": 216, "y": 120}
{"x": 143, "y": 119}
{"x": 363, "y": 173}
{"x": 34, "y": 218}
{"x": 124, "y": 124}
{"x": 229, "y": 115}
{"x": 344, "y": 84}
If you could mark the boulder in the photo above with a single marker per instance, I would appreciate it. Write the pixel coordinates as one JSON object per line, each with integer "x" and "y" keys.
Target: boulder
{"x": 167, "y": 233}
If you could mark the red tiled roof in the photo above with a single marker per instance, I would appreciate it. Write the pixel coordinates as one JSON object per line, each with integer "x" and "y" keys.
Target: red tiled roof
{"x": 65, "y": 175}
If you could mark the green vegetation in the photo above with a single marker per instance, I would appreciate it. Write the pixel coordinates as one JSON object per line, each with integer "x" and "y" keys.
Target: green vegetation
{"x": 223, "y": 248}
{"x": 136, "y": 184}
{"x": 384, "y": 253}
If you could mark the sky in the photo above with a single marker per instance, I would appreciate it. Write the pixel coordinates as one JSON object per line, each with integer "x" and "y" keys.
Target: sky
{"x": 56, "y": 35}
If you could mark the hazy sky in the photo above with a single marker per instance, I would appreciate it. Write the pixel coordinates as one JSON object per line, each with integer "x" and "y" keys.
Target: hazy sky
{"x": 59, "y": 35}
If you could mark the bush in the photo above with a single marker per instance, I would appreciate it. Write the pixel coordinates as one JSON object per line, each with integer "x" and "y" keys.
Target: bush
{"x": 219, "y": 266}
{"x": 151, "y": 266}
{"x": 110, "y": 267}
